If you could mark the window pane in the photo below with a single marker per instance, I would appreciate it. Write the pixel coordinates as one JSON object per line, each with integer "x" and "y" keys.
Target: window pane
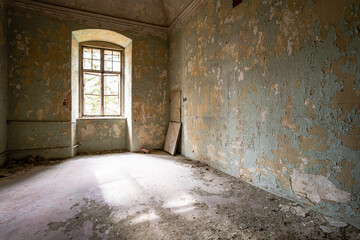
{"x": 116, "y": 56}
{"x": 116, "y": 66}
{"x": 111, "y": 84}
{"x": 108, "y": 65}
{"x": 111, "y": 105}
{"x": 87, "y": 53}
{"x": 87, "y": 64}
{"x": 92, "y": 105}
{"x": 108, "y": 55}
{"x": 92, "y": 83}
{"x": 101, "y": 91}
{"x": 96, "y": 64}
{"x": 96, "y": 54}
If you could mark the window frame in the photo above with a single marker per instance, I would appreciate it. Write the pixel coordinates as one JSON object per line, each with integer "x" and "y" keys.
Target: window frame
{"x": 102, "y": 46}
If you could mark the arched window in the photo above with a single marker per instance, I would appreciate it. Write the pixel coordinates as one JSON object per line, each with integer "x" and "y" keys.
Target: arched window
{"x": 101, "y": 79}
{"x": 93, "y": 47}
{"x": 109, "y": 41}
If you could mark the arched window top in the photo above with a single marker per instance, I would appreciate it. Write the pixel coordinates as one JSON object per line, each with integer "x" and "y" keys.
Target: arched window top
{"x": 102, "y": 35}
{"x": 98, "y": 44}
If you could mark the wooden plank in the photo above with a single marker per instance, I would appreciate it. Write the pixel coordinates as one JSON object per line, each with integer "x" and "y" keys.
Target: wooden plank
{"x": 172, "y": 137}
{"x": 175, "y": 106}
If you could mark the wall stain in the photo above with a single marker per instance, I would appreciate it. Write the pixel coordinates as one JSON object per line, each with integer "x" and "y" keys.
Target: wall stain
{"x": 273, "y": 93}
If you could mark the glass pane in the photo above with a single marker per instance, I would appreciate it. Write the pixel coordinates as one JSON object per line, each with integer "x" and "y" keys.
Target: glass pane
{"x": 111, "y": 105}
{"x": 108, "y": 55}
{"x": 92, "y": 105}
{"x": 108, "y": 65}
{"x": 116, "y": 66}
{"x": 92, "y": 83}
{"x": 96, "y": 64}
{"x": 111, "y": 84}
{"x": 87, "y": 64}
{"x": 96, "y": 53}
{"x": 116, "y": 56}
{"x": 87, "y": 53}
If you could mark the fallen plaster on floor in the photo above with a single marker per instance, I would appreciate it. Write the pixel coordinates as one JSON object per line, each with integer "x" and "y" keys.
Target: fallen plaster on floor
{"x": 149, "y": 196}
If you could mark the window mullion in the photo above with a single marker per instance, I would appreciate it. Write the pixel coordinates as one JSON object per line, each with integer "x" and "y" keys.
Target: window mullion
{"x": 102, "y": 81}
{"x": 91, "y": 71}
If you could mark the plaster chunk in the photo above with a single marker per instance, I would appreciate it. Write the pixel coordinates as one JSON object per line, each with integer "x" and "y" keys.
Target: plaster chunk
{"x": 317, "y": 188}
{"x": 326, "y": 229}
{"x": 334, "y": 222}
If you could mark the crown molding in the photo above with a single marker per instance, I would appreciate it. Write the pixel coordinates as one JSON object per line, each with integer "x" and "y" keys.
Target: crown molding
{"x": 189, "y": 11}
{"x": 112, "y": 23}
{"x": 90, "y": 18}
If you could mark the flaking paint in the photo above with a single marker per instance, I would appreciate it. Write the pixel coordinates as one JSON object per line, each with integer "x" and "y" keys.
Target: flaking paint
{"x": 101, "y": 135}
{"x": 272, "y": 96}
{"x": 40, "y": 87}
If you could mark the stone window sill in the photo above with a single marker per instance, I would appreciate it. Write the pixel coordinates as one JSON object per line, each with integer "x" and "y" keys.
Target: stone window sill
{"x": 101, "y": 118}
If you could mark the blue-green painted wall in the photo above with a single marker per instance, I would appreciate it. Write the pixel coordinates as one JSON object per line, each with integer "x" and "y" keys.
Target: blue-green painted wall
{"x": 270, "y": 94}
{"x": 40, "y": 88}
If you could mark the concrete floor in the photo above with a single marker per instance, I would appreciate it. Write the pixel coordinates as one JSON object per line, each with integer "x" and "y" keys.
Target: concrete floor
{"x": 148, "y": 196}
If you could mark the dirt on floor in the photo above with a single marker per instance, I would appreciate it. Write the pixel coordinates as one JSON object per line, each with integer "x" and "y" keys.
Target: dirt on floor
{"x": 240, "y": 211}
{"x": 14, "y": 166}
{"x": 18, "y": 166}
{"x": 256, "y": 214}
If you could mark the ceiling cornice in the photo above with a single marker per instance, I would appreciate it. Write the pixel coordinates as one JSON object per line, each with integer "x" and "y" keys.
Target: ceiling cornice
{"x": 93, "y": 19}
{"x": 190, "y": 10}
{"x": 112, "y": 23}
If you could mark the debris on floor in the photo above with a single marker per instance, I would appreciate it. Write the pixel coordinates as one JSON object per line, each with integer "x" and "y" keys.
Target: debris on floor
{"x": 334, "y": 222}
{"x": 158, "y": 196}
{"x": 144, "y": 150}
{"x": 326, "y": 229}
{"x": 295, "y": 209}
{"x": 4, "y": 173}
{"x": 13, "y": 166}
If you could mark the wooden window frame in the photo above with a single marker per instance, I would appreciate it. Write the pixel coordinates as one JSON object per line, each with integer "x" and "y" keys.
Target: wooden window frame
{"x": 102, "y": 46}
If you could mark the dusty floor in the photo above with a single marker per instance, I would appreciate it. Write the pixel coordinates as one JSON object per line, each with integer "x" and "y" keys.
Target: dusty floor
{"x": 154, "y": 196}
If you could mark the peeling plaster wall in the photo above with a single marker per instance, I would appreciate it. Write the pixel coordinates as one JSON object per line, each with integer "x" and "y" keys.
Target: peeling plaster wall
{"x": 39, "y": 109}
{"x": 40, "y": 101}
{"x": 270, "y": 93}
{"x": 3, "y": 84}
{"x": 101, "y": 135}
{"x": 149, "y": 93}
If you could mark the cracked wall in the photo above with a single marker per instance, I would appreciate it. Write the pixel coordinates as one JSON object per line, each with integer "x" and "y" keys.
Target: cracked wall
{"x": 40, "y": 113}
{"x": 3, "y": 84}
{"x": 270, "y": 94}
